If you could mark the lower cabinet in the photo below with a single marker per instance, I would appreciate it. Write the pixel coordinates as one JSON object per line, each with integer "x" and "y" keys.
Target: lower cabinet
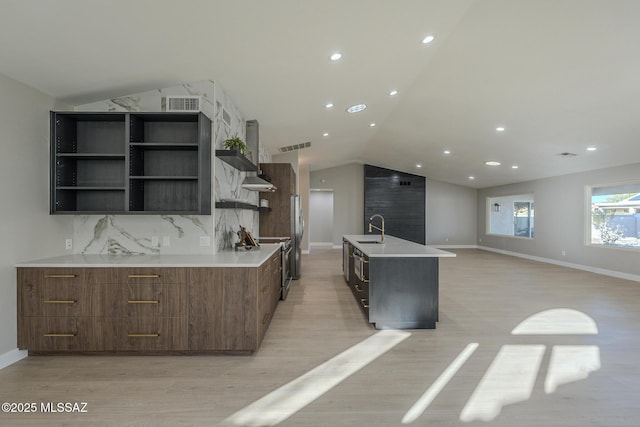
{"x": 146, "y": 309}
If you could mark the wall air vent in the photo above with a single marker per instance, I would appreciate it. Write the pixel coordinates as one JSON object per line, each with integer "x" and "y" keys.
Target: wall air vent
{"x": 183, "y": 103}
{"x": 295, "y": 147}
{"x": 567, "y": 154}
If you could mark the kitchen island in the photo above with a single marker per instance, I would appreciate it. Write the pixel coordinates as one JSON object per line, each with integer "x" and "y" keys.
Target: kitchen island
{"x": 176, "y": 304}
{"x": 395, "y": 282}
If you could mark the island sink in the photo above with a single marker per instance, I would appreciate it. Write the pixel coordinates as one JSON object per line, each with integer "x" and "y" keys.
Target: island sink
{"x": 369, "y": 241}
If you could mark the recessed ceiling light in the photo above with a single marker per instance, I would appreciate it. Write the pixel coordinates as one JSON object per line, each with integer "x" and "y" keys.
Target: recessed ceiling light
{"x": 492, "y": 163}
{"x": 336, "y": 56}
{"x": 591, "y": 149}
{"x": 427, "y": 39}
{"x": 418, "y": 165}
{"x": 514, "y": 167}
{"x": 472, "y": 178}
{"x": 393, "y": 92}
{"x": 500, "y": 129}
{"x": 356, "y": 108}
{"x": 371, "y": 125}
{"x": 329, "y": 105}
{"x": 447, "y": 152}
{"x": 325, "y": 134}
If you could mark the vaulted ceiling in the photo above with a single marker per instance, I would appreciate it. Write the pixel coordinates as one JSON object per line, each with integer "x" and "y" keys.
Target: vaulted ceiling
{"x": 559, "y": 75}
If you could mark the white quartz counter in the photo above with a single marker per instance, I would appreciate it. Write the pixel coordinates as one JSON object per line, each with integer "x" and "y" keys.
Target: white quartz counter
{"x": 253, "y": 258}
{"x": 393, "y": 247}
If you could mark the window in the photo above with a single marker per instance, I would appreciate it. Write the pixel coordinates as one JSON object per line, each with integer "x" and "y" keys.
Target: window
{"x": 615, "y": 215}
{"x": 511, "y": 215}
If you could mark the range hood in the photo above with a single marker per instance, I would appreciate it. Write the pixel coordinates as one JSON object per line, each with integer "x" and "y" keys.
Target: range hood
{"x": 257, "y": 184}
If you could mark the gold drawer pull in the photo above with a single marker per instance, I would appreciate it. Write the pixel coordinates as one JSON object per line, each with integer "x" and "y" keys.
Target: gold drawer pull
{"x": 60, "y": 301}
{"x": 265, "y": 317}
{"x": 60, "y": 276}
{"x": 59, "y": 335}
{"x": 357, "y": 288}
{"x": 364, "y": 302}
{"x": 143, "y": 335}
{"x": 143, "y": 301}
{"x": 144, "y": 276}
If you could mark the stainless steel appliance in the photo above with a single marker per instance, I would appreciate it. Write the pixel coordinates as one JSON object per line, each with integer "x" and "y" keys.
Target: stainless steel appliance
{"x": 285, "y": 261}
{"x": 297, "y": 229}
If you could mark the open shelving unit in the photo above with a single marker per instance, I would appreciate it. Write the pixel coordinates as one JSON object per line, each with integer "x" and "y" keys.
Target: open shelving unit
{"x": 130, "y": 163}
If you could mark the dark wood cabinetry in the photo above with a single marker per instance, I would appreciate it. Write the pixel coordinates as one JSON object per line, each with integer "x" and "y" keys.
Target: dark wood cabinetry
{"x": 130, "y": 163}
{"x": 146, "y": 309}
{"x": 277, "y": 222}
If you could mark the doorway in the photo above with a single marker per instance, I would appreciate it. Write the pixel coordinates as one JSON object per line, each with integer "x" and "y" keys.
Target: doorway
{"x": 321, "y": 218}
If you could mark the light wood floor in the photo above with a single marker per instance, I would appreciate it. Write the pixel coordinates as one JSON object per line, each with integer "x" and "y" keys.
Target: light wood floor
{"x": 483, "y": 296}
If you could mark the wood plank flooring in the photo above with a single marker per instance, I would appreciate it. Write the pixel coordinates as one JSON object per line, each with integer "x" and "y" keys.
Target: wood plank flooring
{"x": 483, "y": 296}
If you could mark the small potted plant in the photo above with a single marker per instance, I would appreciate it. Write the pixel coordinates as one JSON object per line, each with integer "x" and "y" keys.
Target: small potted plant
{"x": 236, "y": 143}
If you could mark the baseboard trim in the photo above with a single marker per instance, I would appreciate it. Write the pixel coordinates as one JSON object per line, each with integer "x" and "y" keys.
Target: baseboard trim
{"x": 324, "y": 244}
{"x": 11, "y": 357}
{"x": 305, "y": 252}
{"x": 596, "y": 270}
{"x": 453, "y": 246}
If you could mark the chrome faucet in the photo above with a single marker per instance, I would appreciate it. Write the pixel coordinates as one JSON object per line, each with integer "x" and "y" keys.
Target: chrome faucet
{"x": 377, "y": 228}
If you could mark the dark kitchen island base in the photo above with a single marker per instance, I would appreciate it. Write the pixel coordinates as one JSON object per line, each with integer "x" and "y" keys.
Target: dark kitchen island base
{"x": 395, "y": 283}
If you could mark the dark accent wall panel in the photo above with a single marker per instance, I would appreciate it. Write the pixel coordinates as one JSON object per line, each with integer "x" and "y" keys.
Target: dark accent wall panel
{"x": 400, "y": 198}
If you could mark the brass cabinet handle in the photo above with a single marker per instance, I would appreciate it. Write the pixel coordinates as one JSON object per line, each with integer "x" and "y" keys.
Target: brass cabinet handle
{"x": 60, "y": 301}
{"x": 59, "y": 335}
{"x": 143, "y": 301}
{"x": 357, "y": 288}
{"x": 144, "y": 276}
{"x": 60, "y": 276}
{"x": 143, "y": 335}
{"x": 265, "y": 317}
{"x": 364, "y": 302}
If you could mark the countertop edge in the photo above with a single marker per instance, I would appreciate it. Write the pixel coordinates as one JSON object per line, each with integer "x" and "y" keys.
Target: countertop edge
{"x": 421, "y": 251}
{"x": 227, "y": 259}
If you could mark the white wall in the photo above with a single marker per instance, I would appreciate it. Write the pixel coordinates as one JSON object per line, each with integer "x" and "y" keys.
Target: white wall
{"x": 561, "y": 221}
{"x": 28, "y": 231}
{"x": 451, "y": 214}
{"x": 347, "y": 183}
{"x": 321, "y": 217}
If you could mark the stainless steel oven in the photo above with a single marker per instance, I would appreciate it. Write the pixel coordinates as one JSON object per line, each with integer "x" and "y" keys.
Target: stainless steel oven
{"x": 286, "y": 252}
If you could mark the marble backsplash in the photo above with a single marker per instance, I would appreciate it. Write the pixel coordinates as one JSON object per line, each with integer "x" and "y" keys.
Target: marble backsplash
{"x": 177, "y": 234}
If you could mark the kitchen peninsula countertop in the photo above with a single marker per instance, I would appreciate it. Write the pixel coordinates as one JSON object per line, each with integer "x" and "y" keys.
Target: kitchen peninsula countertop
{"x": 393, "y": 247}
{"x": 244, "y": 258}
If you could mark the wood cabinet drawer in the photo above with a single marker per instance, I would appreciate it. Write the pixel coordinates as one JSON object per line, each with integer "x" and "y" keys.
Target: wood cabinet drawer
{"x": 152, "y": 275}
{"x": 53, "y": 293}
{"x": 159, "y": 333}
{"x": 63, "y": 334}
{"x": 151, "y": 300}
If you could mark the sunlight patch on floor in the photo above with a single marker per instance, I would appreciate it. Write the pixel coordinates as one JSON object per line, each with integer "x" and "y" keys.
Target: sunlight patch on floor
{"x": 285, "y": 401}
{"x": 425, "y": 400}
{"x": 510, "y": 379}
{"x": 571, "y": 363}
{"x": 558, "y": 321}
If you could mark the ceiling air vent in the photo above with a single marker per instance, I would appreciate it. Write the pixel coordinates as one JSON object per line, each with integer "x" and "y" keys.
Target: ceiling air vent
{"x": 295, "y": 147}
{"x": 183, "y": 103}
{"x": 567, "y": 154}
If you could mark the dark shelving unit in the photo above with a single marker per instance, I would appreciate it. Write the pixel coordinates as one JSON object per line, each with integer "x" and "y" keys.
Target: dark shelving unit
{"x": 237, "y": 160}
{"x": 130, "y": 163}
{"x": 235, "y": 205}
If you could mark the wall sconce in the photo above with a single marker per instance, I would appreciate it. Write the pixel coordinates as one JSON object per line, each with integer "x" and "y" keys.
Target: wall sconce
{"x": 496, "y": 207}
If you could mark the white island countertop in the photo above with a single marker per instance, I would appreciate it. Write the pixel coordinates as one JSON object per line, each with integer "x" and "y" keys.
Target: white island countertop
{"x": 244, "y": 258}
{"x": 393, "y": 247}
